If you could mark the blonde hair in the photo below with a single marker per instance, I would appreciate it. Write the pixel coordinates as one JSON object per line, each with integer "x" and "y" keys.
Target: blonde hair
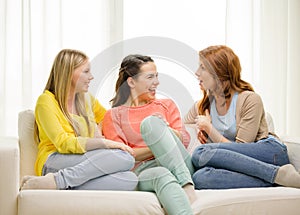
{"x": 59, "y": 83}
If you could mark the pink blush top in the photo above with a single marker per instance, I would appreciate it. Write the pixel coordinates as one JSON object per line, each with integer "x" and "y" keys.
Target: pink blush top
{"x": 123, "y": 123}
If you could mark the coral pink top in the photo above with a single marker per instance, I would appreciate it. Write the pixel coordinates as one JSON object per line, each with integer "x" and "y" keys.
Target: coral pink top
{"x": 123, "y": 123}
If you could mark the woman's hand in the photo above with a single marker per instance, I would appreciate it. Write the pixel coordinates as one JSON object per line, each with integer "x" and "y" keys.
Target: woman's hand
{"x": 118, "y": 145}
{"x": 202, "y": 137}
{"x": 206, "y": 130}
{"x": 203, "y": 122}
{"x": 102, "y": 143}
{"x": 204, "y": 126}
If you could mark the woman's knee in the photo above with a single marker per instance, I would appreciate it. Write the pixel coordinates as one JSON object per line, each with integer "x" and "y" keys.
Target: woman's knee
{"x": 126, "y": 159}
{"x": 199, "y": 155}
{"x": 281, "y": 153}
{"x": 149, "y": 121}
{"x": 152, "y": 126}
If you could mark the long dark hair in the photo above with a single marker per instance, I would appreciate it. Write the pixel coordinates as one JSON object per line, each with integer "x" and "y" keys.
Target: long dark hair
{"x": 130, "y": 67}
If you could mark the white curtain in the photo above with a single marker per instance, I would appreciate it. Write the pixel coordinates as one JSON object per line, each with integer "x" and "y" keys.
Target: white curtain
{"x": 279, "y": 63}
{"x": 32, "y": 32}
{"x": 264, "y": 33}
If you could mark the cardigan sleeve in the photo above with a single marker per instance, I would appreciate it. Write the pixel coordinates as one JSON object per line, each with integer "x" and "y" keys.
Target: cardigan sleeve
{"x": 191, "y": 115}
{"x": 250, "y": 116}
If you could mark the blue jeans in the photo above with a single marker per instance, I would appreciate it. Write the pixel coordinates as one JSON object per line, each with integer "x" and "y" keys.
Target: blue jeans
{"x": 101, "y": 169}
{"x": 171, "y": 169}
{"x": 238, "y": 165}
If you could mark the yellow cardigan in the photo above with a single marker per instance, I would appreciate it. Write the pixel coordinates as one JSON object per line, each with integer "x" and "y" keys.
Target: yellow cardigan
{"x": 55, "y": 132}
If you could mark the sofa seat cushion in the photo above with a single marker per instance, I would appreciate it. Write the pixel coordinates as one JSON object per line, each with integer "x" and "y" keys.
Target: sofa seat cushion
{"x": 246, "y": 201}
{"x": 79, "y": 202}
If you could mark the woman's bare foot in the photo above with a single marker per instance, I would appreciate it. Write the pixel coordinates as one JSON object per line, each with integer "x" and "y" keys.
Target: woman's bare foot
{"x": 190, "y": 192}
{"x": 39, "y": 182}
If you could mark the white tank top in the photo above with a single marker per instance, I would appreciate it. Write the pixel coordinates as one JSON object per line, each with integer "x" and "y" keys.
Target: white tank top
{"x": 226, "y": 124}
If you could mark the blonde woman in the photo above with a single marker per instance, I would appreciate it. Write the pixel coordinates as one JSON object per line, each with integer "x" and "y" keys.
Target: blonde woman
{"x": 72, "y": 153}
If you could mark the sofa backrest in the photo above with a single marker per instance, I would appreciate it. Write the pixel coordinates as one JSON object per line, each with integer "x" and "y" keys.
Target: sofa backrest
{"x": 27, "y": 142}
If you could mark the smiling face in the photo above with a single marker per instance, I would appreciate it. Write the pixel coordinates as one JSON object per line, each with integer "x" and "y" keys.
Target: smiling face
{"x": 206, "y": 79}
{"x": 81, "y": 78}
{"x": 143, "y": 86}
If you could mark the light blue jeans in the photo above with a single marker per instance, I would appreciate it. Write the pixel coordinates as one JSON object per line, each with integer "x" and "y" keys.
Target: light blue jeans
{"x": 171, "y": 169}
{"x": 238, "y": 165}
{"x": 101, "y": 169}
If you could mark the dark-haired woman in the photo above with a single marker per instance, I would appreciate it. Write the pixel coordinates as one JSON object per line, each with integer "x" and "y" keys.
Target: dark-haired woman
{"x": 153, "y": 128}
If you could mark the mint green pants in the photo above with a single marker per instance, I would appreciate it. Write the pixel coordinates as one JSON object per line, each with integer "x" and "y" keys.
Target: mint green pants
{"x": 171, "y": 169}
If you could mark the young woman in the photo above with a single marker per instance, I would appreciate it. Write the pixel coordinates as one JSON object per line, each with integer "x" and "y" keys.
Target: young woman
{"x": 73, "y": 154}
{"x": 154, "y": 130}
{"x": 231, "y": 116}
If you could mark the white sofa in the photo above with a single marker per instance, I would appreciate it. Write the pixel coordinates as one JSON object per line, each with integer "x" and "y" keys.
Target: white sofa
{"x": 17, "y": 156}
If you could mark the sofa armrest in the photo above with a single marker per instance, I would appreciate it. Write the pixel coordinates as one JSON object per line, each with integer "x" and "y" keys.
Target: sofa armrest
{"x": 293, "y": 146}
{"x": 9, "y": 180}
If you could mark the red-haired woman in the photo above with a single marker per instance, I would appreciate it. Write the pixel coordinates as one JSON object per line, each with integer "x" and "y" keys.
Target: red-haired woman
{"x": 237, "y": 148}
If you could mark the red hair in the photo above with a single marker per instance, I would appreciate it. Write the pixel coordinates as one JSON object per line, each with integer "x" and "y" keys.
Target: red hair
{"x": 223, "y": 64}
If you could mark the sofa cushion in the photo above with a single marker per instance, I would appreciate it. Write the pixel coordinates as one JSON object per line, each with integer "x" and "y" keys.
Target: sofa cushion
{"x": 248, "y": 201}
{"x": 82, "y": 202}
{"x": 27, "y": 142}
